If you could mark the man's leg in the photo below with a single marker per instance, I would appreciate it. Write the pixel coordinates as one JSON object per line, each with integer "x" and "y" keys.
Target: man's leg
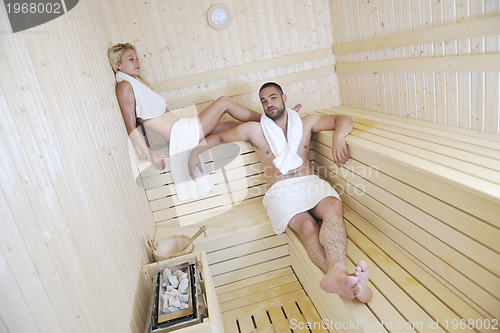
{"x": 337, "y": 280}
{"x": 308, "y": 230}
{"x": 333, "y": 238}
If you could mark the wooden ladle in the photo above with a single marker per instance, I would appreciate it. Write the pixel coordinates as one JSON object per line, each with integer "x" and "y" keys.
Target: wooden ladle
{"x": 202, "y": 230}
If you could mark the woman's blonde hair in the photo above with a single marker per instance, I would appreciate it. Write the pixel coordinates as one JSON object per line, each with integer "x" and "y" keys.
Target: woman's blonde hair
{"x": 115, "y": 54}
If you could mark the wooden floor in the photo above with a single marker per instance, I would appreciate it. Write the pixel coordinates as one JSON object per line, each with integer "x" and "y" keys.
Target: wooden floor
{"x": 271, "y": 302}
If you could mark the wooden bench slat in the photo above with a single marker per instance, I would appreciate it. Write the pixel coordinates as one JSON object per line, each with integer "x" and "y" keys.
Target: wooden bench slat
{"x": 246, "y": 248}
{"x": 263, "y": 323}
{"x": 216, "y": 153}
{"x": 380, "y": 305}
{"x": 249, "y": 271}
{"x": 438, "y": 139}
{"x": 462, "y": 150}
{"x": 454, "y": 276}
{"x": 279, "y": 321}
{"x": 489, "y": 173}
{"x": 230, "y": 323}
{"x": 257, "y": 288}
{"x": 369, "y": 179}
{"x": 253, "y": 280}
{"x": 256, "y": 298}
{"x": 265, "y": 305}
{"x": 435, "y": 286}
{"x": 248, "y": 260}
{"x": 165, "y": 178}
{"x": 222, "y": 227}
{"x": 449, "y": 275}
{"x": 310, "y": 314}
{"x": 222, "y": 188}
{"x": 458, "y": 134}
{"x": 455, "y": 247}
{"x": 292, "y": 313}
{"x": 474, "y": 195}
{"x": 407, "y": 295}
{"x": 331, "y": 307}
{"x": 213, "y": 207}
{"x": 255, "y": 230}
{"x": 159, "y": 190}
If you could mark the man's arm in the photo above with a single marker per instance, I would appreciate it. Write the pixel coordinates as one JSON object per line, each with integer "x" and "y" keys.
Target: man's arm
{"x": 342, "y": 125}
{"x": 241, "y": 132}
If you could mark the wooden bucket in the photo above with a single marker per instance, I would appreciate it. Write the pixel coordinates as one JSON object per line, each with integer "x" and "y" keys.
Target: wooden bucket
{"x": 169, "y": 247}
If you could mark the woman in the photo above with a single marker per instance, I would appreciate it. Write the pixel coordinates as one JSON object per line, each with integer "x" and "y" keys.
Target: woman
{"x": 139, "y": 103}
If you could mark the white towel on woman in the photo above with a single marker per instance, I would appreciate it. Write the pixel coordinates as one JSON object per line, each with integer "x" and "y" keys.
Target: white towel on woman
{"x": 285, "y": 151}
{"x": 148, "y": 103}
{"x": 184, "y": 136}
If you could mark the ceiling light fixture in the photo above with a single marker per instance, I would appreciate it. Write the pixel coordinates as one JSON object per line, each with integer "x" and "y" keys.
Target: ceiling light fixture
{"x": 218, "y": 16}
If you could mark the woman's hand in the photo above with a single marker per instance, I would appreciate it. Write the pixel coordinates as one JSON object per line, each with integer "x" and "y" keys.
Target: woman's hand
{"x": 157, "y": 160}
{"x": 193, "y": 163}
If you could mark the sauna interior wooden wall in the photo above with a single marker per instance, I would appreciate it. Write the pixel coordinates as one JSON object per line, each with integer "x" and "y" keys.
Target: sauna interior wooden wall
{"x": 429, "y": 60}
{"x": 74, "y": 220}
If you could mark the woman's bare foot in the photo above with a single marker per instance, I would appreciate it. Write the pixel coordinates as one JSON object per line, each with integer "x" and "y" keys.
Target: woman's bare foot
{"x": 361, "y": 290}
{"x": 339, "y": 282}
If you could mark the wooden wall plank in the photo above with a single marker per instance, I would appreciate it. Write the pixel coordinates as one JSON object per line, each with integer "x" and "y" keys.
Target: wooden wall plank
{"x": 77, "y": 218}
{"x": 406, "y": 33}
{"x": 182, "y": 52}
{"x": 475, "y": 28}
{"x": 240, "y": 69}
{"x": 472, "y": 63}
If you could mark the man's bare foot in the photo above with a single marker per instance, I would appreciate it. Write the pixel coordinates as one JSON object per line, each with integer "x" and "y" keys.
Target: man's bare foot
{"x": 361, "y": 290}
{"x": 340, "y": 282}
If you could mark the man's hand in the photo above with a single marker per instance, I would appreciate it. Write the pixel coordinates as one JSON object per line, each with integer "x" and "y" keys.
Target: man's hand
{"x": 193, "y": 163}
{"x": 339, "y": 151}
{"x": 297, "y": 107}
{"x": 157, "y": 160}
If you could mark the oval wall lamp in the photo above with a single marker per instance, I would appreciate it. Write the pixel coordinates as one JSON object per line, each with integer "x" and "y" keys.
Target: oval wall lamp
{"x": 218, "y": 16}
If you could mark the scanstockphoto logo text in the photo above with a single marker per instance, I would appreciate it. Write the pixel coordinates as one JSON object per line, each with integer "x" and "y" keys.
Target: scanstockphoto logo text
{"x": 28, "y": 14}
{"x": 355, "y": 324}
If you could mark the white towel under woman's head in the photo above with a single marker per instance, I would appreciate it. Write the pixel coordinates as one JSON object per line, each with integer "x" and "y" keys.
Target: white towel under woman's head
{"x": 285, "y": 151}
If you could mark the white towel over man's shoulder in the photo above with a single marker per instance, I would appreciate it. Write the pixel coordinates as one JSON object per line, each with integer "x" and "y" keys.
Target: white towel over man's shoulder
{"x": 289, "y": 197}
{"x": 284, "y": 149}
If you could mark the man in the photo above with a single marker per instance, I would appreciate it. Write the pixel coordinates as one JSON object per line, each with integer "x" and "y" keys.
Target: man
{"x": 296, "y": 197}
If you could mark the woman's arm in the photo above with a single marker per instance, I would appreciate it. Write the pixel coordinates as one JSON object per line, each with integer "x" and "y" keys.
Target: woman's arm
{"x": 126, "y": 99}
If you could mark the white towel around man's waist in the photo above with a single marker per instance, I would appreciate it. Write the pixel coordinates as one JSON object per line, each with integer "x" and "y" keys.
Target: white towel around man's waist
{"x": 292, "y": 196}
{"x": 285, "y": 151}
{"x": 184, "y": 136}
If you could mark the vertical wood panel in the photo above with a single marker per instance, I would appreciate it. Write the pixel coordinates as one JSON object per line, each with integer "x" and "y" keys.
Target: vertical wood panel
{"x": 467, "y": 100}
{"x": 492, "y": 83}
{"x": 73, "y": 219}
{"x": 175, "y": 41}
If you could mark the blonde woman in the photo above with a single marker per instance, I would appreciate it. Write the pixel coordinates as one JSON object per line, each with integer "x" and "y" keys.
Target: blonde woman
{"x": 139, "y": 104}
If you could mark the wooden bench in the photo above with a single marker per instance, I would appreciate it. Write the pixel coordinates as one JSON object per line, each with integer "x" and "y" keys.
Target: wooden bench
{"x": 421, "y": 207}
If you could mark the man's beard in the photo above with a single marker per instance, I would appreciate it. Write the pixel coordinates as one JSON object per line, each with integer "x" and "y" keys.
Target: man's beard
{"x": 277, "y": 115}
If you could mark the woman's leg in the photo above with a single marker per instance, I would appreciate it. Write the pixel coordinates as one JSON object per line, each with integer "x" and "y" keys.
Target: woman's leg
{"x": 211, "y": 116}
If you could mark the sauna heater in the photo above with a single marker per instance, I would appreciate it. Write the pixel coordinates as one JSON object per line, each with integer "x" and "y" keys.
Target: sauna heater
{"x": 161, "y": 320}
